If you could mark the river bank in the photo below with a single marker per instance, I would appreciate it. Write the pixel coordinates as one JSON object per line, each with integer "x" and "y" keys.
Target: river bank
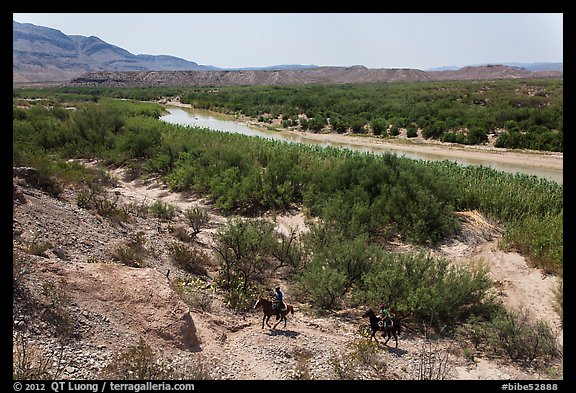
{"x": 545, "y": 164}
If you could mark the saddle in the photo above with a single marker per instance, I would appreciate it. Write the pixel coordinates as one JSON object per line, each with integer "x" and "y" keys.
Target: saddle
{"x": 388, "y": 325}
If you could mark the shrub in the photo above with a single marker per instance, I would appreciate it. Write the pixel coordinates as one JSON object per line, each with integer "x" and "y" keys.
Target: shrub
{"x": 195, "y": 293}
{"x": 515, "y": 334}
{"x": 57, "y": 310}
{"x": 29, "y": 364}
{"x": 132, "y": 252}
{"x": 138, "y": 362}
{"x": 428, "y": 288}
{"x": 36, "y": 246}
{"x": 358, "y": 356}
{"x": 181, "y": 233}
{"x": 191, "y": 260}
{"x": 523, "y": 339}
{"x": 197, "y": 218}
{"x": 434, "y": 362}
{"x": 163, "y": 210}
{"x": 20, "y": 270}
{"x": 243, "y": 248}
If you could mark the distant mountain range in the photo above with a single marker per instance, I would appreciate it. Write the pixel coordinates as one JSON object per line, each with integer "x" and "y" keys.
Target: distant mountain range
{"x": 43, "y": 54}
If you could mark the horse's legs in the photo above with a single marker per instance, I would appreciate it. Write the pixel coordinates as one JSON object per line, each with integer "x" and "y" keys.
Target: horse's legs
{"x": 388, "y": 338}
{"x": 263, "y": 321}
{"x": 281, "y": 318}
{"x": 373, "y": 336}
{"x": 268, "y": 319}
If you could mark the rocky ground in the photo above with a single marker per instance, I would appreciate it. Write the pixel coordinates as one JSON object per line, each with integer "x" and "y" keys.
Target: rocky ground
{"x": 76, "y": 306}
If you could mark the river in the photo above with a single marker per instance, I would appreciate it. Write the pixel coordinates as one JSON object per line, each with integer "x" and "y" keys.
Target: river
{"x": 546, "y": 165}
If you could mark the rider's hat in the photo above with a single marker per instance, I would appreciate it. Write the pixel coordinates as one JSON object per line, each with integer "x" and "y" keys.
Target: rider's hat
{"x": 382, "y": 305}
{"x": 277, "y": 287}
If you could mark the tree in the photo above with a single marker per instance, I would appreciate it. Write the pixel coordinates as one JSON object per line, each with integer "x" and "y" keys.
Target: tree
{"x": 379, "y": 126}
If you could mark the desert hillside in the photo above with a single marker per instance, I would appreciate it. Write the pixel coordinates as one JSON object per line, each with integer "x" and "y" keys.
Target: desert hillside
{"x": 78, "y": 302}
{"x": 336, "y": 75}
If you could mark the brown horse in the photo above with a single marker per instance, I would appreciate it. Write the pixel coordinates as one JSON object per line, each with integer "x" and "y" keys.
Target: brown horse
{"x": 269, "y": 311}
{"x": 377, "y": 325}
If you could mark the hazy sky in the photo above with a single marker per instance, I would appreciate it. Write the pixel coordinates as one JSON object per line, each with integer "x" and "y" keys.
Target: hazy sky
{"x": 375, "y": 40}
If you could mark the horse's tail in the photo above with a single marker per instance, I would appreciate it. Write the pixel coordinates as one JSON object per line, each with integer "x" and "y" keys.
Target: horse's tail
{"x": 291, "y": 309}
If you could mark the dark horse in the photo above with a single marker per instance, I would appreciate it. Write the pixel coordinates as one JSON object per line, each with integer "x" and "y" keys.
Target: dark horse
{"x": 375, "y": 323}
{"x": 269, "y": 311}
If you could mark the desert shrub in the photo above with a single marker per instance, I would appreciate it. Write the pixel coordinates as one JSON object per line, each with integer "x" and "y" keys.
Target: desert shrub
{"x": 287, "y": 251}
{"x": 526, "y": 341}
{"x": 43, "y": 177}
{"x": 434, "y": 362}
{"x": 138, "y": 362}
{"x": 514, "y": 334}
{"x": 28, "y": 363}
{"x": 243, "y": 248}
{"x": 379, "y": 126}
{"x": 110, "y": 208}
{"x": 411, "y": 131}
{"x": 196, "y": 293}
{"x": 181, "y": 233}
{"x": 163, "y": 210}
{"x": 57, "y": 308}
{"x": 140, "y": 209}
{"x": 20, "y": 271}
{"x": 428, "y": 288}
{"x": 94, "y": 197}
{"x": 476, "y": 136}
{"x": 334, "y": 264}
{"x": 197, "y": 218}
{"x": 358, "y": 356}
{"x": 37, "y": 246}
{"x": 131, "y": 252}
{"x": 559, "y": 298}
{"x": 192, "y": 260}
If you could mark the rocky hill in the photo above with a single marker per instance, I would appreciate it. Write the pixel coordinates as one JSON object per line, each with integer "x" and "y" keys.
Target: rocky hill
{"x": 44, "y": 54}
{"x": 76, "y": 305}
{"x": 354, "y": 74}
{"x": 491, "y": 71}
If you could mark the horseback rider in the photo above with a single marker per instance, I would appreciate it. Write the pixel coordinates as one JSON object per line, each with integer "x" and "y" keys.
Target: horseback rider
{"x": 385, "y": 317}
{"x": 277, "y": 301}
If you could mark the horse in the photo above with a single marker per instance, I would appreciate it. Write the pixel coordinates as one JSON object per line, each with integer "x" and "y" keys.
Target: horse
{"x": 394, "y": 330}
{"x": 269, "y": 311}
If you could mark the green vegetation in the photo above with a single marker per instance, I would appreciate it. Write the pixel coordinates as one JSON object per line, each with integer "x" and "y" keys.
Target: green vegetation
{"x": 527, "y": 114}
{"x": 516, "y": 335}
{"x": 364, "y": 201}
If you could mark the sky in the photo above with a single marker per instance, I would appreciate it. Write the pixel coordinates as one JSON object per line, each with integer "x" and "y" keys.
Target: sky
{"x": 374, "y": 40}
